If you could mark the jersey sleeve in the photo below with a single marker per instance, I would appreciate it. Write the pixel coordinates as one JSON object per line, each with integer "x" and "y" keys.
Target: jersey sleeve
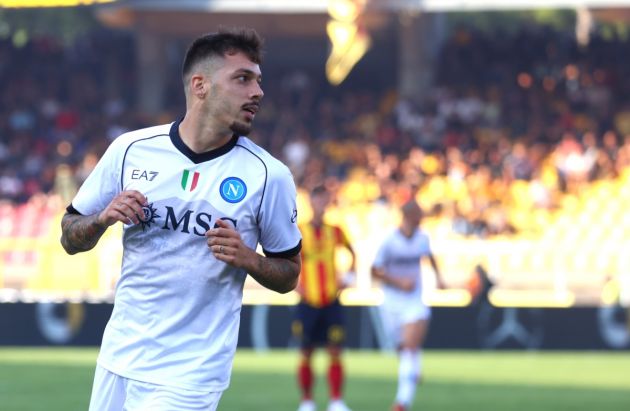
{"x": 103, "y": 183}
{"x": 341, "y": 238}
{"x": 279, "y": 233}
{"x": 426, "y": 246}
{"x": 381, "y": 256}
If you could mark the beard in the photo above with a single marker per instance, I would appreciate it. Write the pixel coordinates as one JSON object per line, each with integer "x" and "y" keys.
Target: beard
{"x": 240, "y": 128}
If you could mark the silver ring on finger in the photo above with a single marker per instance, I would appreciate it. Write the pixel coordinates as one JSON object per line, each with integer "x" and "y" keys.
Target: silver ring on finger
{"x": 221, "y": 249}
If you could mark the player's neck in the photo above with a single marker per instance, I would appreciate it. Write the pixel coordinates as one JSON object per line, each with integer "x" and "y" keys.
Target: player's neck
{"x": 317, "y": 221}
{"x": 201, "y": 136}
{"x": 407, "y": 231}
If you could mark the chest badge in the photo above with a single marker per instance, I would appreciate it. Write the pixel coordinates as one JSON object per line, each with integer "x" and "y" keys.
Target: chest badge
{"x": 233, "y": 189}
{"x": 150, "y": 214}
{"x": 189, "y": 180}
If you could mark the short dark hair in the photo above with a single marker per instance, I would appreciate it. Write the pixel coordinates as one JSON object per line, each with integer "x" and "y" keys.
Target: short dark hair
{"x": 225, "y": 41}
{"x": 411, "y": 206}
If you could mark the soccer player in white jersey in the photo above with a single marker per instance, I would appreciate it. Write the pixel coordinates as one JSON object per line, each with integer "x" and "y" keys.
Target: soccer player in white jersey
{"x": 195, "y": 198}
{"x": 405, "y": 316}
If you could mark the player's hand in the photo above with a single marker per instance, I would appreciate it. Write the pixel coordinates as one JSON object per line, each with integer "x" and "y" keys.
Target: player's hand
{"x": 405, "y": 284}
{"x": 227, "y": 246}
{"x": 126, "y": 207}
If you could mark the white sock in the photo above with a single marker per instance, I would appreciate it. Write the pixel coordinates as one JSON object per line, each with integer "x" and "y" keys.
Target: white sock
{"x": 408, "y": 375}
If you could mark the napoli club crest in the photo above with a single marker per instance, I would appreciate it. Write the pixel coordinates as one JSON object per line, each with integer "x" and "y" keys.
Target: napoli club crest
{"x": 233, "y": 189}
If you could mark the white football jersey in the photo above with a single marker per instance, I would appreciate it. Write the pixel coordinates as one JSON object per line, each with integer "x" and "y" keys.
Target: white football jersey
{"x": 177, "y": 308}
{"x": 400, "y": 256}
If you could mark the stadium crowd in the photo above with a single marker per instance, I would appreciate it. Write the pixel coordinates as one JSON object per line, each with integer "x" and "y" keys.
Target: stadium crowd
{"x": 513, "y": 122}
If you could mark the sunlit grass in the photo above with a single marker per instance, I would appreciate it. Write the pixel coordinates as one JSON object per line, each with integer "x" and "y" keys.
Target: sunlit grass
{"x": 60, "y": 380}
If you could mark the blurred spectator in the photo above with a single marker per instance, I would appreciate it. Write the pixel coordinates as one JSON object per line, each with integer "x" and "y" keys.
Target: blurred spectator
{"x": 501, "y": 131}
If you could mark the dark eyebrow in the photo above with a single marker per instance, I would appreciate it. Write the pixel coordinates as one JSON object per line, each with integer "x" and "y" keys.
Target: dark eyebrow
{"x": 247, "y": 71}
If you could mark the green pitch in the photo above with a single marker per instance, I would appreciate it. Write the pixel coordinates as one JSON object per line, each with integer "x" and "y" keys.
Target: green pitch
{"x": 60, "y": 380}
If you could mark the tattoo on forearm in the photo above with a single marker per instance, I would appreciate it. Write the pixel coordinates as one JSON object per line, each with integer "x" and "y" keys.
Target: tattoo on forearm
{"x": 80, "y": 233}
{"x": 278, "y": 274}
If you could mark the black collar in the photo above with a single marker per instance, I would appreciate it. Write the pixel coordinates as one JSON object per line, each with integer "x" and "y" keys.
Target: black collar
{"x": 199, "y": 157}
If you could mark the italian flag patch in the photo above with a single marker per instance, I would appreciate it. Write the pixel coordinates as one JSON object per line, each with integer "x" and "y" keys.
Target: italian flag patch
{"x": 189, "y": 180}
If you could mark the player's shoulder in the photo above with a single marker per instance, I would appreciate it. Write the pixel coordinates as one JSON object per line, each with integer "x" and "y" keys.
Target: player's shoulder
{"x": 274, "y": 167}
{"x": 390, "y": 237}
{"x": 130, "y": 137}
{"x": 422, "y": 239}
{"x": 334, "y": 227}
{"x": 421, "y": 234}
{"x": 306, "y": 229}
{"x": 394, "y": 234}
{"x": 324, "y": 226}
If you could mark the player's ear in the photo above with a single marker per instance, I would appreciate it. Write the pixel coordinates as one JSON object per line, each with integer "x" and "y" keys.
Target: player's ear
{"x": 198, "y": 85}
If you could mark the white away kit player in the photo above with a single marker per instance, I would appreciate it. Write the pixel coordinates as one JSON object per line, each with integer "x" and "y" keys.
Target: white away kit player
{"x": 195, "y": 198}
{"x": 404, "y": 314}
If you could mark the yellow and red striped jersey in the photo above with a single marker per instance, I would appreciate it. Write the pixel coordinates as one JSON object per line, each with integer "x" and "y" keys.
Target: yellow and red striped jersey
{"x": 318, "y": 279}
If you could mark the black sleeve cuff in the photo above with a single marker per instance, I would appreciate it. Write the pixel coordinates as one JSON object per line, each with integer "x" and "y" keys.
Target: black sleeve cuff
{"x": 285, "y": 254}
{"x": 71, "y": 210}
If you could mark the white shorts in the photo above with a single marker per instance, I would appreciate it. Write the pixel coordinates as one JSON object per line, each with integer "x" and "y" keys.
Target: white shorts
{"x": 112, "y": 392}
{"x": 394, "y": 317}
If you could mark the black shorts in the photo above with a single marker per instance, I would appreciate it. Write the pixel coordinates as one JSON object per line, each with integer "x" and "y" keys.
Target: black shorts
{"x": 318, "y": 326}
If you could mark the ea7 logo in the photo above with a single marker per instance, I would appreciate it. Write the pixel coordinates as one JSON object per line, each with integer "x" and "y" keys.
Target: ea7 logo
{"x": 143, "y": 175}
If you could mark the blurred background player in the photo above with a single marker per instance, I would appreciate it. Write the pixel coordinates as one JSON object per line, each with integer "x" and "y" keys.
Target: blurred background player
{"x": 405, "y": 316}
{"x": 319, "y": 316}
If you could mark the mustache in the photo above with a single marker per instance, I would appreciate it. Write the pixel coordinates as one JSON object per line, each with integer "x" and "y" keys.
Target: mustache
{"x": 255, "y": 106}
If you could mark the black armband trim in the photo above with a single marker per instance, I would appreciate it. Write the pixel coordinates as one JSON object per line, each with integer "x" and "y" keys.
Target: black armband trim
{"x": 285, "y": 254}
{"x": 71, "y": 210}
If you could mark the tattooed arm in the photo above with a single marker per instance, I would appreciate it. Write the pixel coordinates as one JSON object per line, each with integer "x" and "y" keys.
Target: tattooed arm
{"x": 81, "y": 233}
{"x": 278, "y": 274}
